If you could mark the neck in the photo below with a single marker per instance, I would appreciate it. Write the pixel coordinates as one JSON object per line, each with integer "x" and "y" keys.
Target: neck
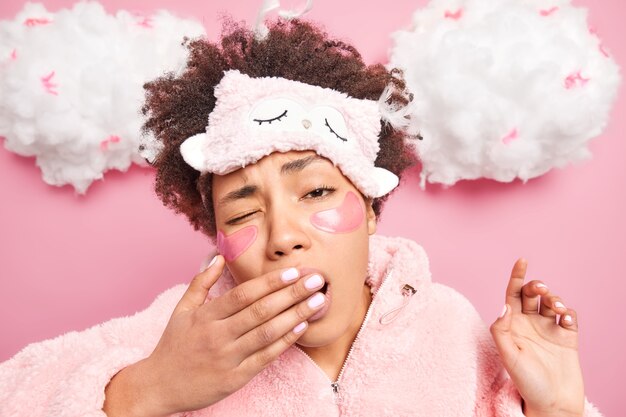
{"x": 332, "y": 356}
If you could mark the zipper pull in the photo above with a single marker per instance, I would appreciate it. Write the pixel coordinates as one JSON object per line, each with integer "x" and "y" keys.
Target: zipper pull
{"x": 407, "y": 292}
{"x": 335, "y": 387}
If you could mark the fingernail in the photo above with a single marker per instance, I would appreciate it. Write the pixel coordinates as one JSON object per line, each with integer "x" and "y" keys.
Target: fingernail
{"x": 316, "y": 301}
{"x": 567, "y": 318}
{"x": 503, "y": 311}
{"x": 314, "y": 282}
{"x": 211, "y": 263}
{"x": 540, "y": 285}
{"x": 299, "y": 327}
{"x": 559, "y": 304}
{"x": 289, "y": 275}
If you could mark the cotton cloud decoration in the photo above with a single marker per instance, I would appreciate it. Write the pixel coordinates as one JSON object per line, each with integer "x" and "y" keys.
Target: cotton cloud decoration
{"x": 71, "y": 85}
{"x": 503, "y": 89}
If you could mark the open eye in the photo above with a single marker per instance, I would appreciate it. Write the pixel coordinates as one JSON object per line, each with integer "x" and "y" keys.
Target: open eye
{"x": 261, "y": 121}
{"x": 320, "y": 192}
{"x": 335, "y": 133}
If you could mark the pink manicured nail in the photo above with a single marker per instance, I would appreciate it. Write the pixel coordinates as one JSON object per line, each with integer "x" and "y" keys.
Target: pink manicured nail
{"x": 559, "y": 304}
{"x": 540, "y": 285}
{"x": 211, "y": 263}
{"x": 317, "y": 300}
{"x": 290, "y": 275}
{"x": 503, "y": 311}
{"x": 314, "y": 282}
{"x": 299, "y": 327}
{"x": 567, "y": 318}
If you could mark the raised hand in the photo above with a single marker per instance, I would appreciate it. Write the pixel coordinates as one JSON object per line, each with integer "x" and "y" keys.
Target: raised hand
{"x": 211, "y": 349}
{"x": 539, "y": 352}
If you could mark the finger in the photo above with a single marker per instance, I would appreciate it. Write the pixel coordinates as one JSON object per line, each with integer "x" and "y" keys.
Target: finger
{"x": 551, "y": 305}
{"x": 503, "y": 338}
{"x": 530, "y": 296}
{"x": 272, "y": 330}
{"x": 243, "y": 295}
{"x": 259, "y": 360}
{"x": 569, "y": 320}
{"x": 270, "y": 305}
{"x": 198, "y": 289}
{"x": 514, "y": 288}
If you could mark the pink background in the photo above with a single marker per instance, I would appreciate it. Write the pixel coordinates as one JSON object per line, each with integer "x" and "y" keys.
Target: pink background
{"x": 68, "y": 262}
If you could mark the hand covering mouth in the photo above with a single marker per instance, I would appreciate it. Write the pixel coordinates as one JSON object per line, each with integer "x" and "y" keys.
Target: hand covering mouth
{"x": 308, "y": 270}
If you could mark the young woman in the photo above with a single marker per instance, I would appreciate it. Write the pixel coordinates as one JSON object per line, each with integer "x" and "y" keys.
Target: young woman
{"x": 278, "y": 150}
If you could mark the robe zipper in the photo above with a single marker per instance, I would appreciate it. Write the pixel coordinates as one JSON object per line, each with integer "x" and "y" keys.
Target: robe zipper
{"x": 335, "y": 385}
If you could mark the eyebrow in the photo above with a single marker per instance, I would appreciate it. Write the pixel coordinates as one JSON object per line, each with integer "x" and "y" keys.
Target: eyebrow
{"x": 290, "y": 167}
{"x": 298, "y": 165}
{"x": 243, "y": 192}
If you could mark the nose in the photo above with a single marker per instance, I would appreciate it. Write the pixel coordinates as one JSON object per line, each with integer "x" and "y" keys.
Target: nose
{"x": 286, "y": 235}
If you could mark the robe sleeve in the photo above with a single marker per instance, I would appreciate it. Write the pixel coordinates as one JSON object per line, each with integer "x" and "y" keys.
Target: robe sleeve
{"x": 67, "y": 375}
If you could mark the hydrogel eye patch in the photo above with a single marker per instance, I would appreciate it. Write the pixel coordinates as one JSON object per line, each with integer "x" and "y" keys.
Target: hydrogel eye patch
{"x": 233, "y": 245}
{"x": 343, "y": 219}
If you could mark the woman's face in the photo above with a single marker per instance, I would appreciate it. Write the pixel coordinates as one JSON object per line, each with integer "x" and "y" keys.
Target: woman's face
{"x": 296, "y": 209}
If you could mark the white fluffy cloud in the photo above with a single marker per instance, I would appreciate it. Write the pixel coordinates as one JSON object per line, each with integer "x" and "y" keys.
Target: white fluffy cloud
{"x": 71, "y": 85}
{"x": 504, "y": 89}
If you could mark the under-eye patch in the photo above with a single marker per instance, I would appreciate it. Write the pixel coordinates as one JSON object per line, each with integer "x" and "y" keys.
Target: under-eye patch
{"x": 343, "y": 219}
{"x": 233, "y": 245}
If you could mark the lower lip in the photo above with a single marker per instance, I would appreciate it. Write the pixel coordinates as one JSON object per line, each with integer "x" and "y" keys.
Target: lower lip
{"x": 324, "y": 309}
